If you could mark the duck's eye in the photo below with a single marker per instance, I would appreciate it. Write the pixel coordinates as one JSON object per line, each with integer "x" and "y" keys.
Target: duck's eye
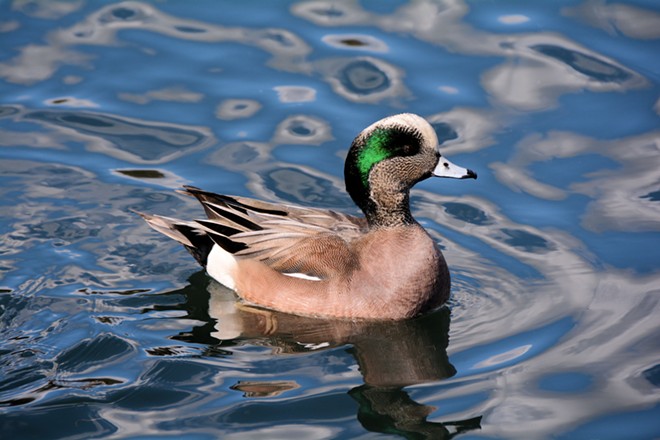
{"x": 446, "y": 165}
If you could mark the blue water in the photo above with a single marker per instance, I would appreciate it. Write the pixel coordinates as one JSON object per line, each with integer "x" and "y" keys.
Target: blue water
{"x": 109, "y": 330}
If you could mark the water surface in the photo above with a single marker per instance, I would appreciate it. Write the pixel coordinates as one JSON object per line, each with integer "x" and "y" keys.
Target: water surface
{"x": 109, "y": 330}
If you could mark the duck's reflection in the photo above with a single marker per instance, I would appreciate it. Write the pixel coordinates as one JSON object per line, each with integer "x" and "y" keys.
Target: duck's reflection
{"x": 390, "y": 356}
{"x": 392, "y": 411}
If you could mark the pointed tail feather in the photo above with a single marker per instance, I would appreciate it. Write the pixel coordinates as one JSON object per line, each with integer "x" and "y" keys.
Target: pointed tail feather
{"x": 189, "y": 234}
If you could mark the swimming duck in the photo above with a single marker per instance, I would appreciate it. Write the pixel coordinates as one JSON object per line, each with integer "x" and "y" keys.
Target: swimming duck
{"x": 316, "y": 262}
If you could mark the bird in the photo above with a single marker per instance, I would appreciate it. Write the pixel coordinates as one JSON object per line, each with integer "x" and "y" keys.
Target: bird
{"x": 324, "y": 263}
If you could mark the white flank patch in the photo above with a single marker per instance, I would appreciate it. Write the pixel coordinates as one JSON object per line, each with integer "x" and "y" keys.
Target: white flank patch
{"x": 304, "y": 276}
{"x": 221, "y": 266}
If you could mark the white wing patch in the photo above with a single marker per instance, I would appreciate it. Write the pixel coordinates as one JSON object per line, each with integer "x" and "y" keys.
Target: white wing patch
{"x": 304, "y": 276}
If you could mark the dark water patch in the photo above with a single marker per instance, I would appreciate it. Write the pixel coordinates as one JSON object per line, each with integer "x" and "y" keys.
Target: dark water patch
{"x": 526, "y": 241}
{"x": 363, "y": 77}
{"x": 21, "y": 378}
{"x": 361, "y": 42}
{"x": 195, "y": 302}
{"x": 66, "y": 421}
{"x": 17, "y": 402}
{"x": 299, "y": 129}
{"x": 109, "y": 320}
{"x": 281, "y": 38}
{"x": 300, "y": 187}
{"x": 143, "y": 141}
{"x": 353, "y": 42}
{"x": 444, "y": 131}
{"x": 258, "y": 389}
{"x": 190, "y": 29}
{"x": 165, "y": 373}
{"x": 91, "y": 354}
{"x": 89, "y": 291}
{"x": 175, "y": 351}
{"x": 125, "y": 13}
{"x": 154, "y": 398}
{"x": 393, "y": 412}
{"x": 653, "y": 196}
{"x": 653, "y": 375}
{"x": 467, "y": 213}
{"x": 59, "y": 101}
{"x": 143, "y": 304}
{"x": 8, "y": 110}
{"x": 142, "y": 174}
{"x": 588, "y": 65}
{"x": 329, "y": 406}
{"x": 83, "y": 383}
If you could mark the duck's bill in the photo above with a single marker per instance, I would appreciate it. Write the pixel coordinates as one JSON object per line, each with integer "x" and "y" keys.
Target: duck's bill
{"x": 448, "y": 169}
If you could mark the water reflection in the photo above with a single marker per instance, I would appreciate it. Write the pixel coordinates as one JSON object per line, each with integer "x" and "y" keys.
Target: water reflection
{"x": 290, "y": 94}
{"x": 588, "y": 65}
{"x": 533, "y": 75}
{"x": 100, "y": 250}
{"x": 618, "y": 202}
{"x": 37, "y": 63}
{"x": 389, "y": 355}
{"x": 363, "y": 79}
{"x": 284, "y": 180}
{"x": 80, "y": 245}
{"x": 630, "y": 20}
{"x": 171, "y": 94}
{"x": 392, "y": 411}
{"x": 356, "y": 41}
{"x": 544, "y": 327}
{"x": 237, "y": 109}
{"x": 133, "y": 140}
{"x": 47, "y": 10}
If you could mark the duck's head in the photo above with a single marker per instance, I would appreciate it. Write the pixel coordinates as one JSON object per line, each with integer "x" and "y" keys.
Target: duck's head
{"x": 386, "y": 159}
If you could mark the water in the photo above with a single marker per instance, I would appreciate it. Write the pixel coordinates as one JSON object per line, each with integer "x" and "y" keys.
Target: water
{"x": 109, "y": 330}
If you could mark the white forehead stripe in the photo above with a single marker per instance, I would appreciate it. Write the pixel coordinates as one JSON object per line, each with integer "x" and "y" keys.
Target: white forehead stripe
{"x": 411, "y": 120}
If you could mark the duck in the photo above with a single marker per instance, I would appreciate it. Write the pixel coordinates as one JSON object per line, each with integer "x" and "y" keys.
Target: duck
{"x": 324, "y": 263}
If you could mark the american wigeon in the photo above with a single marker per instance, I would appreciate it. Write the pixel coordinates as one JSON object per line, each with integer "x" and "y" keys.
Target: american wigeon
{"x": 316, "y": 262}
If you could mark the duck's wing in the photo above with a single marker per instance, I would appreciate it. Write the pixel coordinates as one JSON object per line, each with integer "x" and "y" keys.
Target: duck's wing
{"x": 289, "y": 239}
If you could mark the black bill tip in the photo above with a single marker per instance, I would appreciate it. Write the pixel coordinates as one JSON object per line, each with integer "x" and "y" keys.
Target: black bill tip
{"x": 470, "y": 175}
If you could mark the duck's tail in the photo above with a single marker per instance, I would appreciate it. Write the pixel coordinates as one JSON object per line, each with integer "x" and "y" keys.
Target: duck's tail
{"x": 189, "y": 234}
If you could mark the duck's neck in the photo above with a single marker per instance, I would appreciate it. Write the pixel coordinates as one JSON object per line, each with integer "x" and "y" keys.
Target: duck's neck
{"x": 385, "y": 209}
{"x": 388, "y": 209}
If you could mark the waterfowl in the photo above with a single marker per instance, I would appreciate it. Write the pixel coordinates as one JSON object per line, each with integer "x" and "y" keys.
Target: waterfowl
{"x": 316, "y": 262}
